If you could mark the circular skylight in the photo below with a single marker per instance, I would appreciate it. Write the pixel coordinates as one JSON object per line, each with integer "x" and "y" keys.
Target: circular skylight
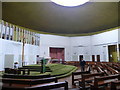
{"x": 70, "y": 3}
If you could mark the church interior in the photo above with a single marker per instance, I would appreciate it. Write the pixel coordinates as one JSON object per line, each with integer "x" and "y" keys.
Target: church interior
{"x": 64, "y": 45}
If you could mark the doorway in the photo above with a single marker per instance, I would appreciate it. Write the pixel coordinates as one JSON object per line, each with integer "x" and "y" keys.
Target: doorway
{"x": 93, "y": 58}
{"x": 57, "y": 54}
{"x": 112, "y": 49}
{"x": 98, "y": 58}
{"x": 80, "y": 57}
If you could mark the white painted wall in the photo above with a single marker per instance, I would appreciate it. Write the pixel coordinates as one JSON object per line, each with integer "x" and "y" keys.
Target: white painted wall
{"x": 47, "y": 41}
{"x": 74, "y": 46}
{"x": 119, "y": 35}
{"x": 93, "y": 45}
{"x": 14, "y": 48}
{"x": 101, "y": 41}
{"x": 80, "y": 46}
{"x": 30, "y": 53}
{"x": 109, "y": 37}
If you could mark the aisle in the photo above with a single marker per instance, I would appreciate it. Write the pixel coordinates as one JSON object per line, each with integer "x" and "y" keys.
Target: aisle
{"x": 69, "y": 79}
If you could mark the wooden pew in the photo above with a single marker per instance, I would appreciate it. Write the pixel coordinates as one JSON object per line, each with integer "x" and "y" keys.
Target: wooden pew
{"x": 12, "y": 71}
{"x": 99, "y": 70}
{"x": 17, "y": 71}
{"x": 41, "y": 87}
{"x": 115, "y": 84}
{"x": 102, "y": 81}
{"x": 15, "y": 76}
{"x": 78, "y": 74}
{"x": 113, "y": 71}
{"x": 27, "y": 82}
{"x": 88, "y": 78}
{"x": 74, "y": 63}
{"x": 93, "y": 67}
{"x": 115, "y": 67}
{"x": 103, "y": 68}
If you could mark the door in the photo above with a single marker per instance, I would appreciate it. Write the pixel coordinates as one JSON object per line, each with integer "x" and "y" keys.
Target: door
{"x": 80, "y": 57}
{"x": 112, "y": 49}
{"x": 93, "y": 58}
{"x": 57, "y": 53}
{"x": 98, "y": 58}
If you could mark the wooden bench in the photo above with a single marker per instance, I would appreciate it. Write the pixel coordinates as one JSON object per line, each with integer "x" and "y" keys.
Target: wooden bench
{"x": 78, "y": 74}
{"x": 12, "y": 71}
{"x": 24, "y": 76}
{"x": 54, "y": 86}
{"x": 17, "y": 71}
{"x": 103, "y": 81}
{"x": 103, "y": 68}
{"x": 115, "y": 67}
{"x": 115, "y": 84}
{"x": 88, "y": 78}
{"x": 113, "y": 71}
{"x": 27, "y": 82}
{"x": 74, "y": 63}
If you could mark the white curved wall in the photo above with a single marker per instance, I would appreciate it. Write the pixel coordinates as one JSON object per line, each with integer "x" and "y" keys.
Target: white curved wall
{"x": 13, "y": 49}
{"x": 47, "y": 41}
{"x": 74, "y": 46}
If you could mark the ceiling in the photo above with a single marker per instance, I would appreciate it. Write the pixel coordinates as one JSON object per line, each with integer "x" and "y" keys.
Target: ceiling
{"x": 52, "y": 18}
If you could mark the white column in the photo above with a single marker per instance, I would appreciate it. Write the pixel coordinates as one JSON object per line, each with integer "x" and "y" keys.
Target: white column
{"x": 6, "y": 25}
{"x": 38, "y": 41}
{"x": 13, "y": 29}
{"x": 19, "y": 38}
{"x": 118, "y": 53}
{"x": 29, "y": 37}
{"x": 1, "y": 28}
{"x": 22, "y": 35}
{"x": 10, "y": 31}
{"x": 26, "y": 36}
{"x": 32, "y": 38}
{"x": 35, "y": 39}
{"x": 16, "y": 33}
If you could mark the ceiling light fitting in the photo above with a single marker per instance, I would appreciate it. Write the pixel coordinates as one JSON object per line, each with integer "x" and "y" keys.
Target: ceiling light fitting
{"x": 70, "y": 3}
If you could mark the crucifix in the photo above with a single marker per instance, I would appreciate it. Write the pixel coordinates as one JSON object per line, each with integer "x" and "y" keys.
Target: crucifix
{"x": 23, "y": 46}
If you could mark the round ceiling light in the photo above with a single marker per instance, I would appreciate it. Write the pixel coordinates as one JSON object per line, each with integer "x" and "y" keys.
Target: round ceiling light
{"x": 70, "y": 3}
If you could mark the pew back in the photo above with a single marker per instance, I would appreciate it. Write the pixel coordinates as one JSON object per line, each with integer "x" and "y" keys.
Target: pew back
{"x": 100, "y": 81}
{"x": 89, "y": 78}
